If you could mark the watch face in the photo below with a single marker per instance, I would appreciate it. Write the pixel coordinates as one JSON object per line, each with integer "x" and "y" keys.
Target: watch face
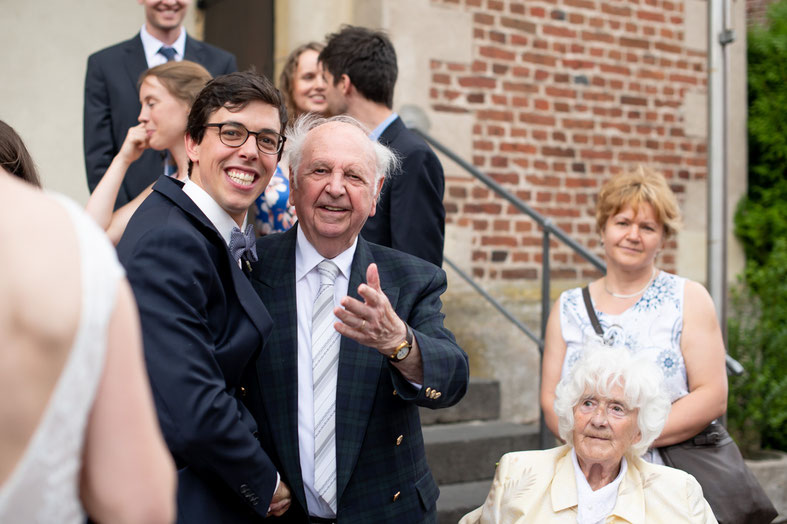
{"x": 402, "y": 353}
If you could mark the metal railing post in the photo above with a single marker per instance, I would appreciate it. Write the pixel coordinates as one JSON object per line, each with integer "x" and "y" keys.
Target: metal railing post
{"x": 546, "y": 439}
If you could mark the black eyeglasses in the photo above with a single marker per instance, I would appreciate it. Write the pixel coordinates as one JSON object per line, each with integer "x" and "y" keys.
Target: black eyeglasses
{"x": 233, "y": 134}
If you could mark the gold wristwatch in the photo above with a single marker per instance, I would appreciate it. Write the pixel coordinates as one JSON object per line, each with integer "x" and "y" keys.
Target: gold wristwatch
{"x": 403, "y": 349}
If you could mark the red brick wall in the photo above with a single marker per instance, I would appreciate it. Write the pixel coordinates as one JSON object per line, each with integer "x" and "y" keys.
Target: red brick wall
{"x": 756, "y": 11}
{"x": 564, "y": 93}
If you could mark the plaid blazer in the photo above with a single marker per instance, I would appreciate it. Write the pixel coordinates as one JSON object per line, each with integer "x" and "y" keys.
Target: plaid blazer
{"x": 382, "y": 474}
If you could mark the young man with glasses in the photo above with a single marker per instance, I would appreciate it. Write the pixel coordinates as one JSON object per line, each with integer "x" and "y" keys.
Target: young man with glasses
{"x": 185, "y": 253}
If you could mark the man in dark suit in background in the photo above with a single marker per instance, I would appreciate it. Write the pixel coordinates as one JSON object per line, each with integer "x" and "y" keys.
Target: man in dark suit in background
{"x": 337, "y": 401}
{"x": 360, "y": 71}
{"x": 202, "y": 322}
{"x": 112, "y": 99}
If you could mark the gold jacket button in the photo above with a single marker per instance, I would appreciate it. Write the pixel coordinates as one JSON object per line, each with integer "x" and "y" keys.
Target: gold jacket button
{"x": 394, "y": 393}
{"x": 437, "y": 395}
{"x": 399, "y": 439}
{"x": 396, "y": 497}
{"x": 242, "y": 391}
{"x": 428, "y": 392}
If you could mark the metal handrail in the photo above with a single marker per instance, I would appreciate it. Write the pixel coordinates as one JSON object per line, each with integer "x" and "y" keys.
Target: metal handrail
{"x": 547, "y": 440}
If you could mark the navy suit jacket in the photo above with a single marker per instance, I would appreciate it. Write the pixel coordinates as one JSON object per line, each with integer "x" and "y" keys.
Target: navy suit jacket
{"x": 202, "y": 324}
{"x": 379, "y": 444}
{"x": 410, "y": 215}
{"x": 112, "y": 107}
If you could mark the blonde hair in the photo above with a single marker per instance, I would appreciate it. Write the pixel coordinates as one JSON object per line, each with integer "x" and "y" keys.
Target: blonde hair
{"x": 634, "y": 188}
{"x": 184, "y": 80}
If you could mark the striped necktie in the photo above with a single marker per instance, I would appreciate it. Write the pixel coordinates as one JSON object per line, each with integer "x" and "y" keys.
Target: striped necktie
{"x": 325, "y": 370}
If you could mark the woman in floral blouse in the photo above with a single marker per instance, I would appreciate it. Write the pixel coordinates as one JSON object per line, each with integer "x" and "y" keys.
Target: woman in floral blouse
{"x": 647, "y": 311}
{"x": 303, "y": 89}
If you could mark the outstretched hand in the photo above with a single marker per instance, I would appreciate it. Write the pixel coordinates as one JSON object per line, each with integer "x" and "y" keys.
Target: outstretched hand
{"x": 373, "y": 322}
{"x": 135, "y": 143}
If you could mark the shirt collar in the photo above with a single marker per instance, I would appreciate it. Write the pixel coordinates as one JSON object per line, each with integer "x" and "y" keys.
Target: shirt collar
{"x": 151, "y": 45}
{"x": 307, "y": 257}
{"x": 595, "y": 506}
{"x": 220, "y": 219}
{"x": 379, "y": 130}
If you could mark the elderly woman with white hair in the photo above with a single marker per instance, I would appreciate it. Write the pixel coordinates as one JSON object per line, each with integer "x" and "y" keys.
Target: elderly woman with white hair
{"x": 610, "y": 410}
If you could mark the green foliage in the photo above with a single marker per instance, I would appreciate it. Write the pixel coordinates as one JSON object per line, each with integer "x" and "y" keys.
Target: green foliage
{"x": 767, "y": 77}
{"x": 757, "y": 338}
{"x": 761, "y": 218}
{"x": 757, "y": 327}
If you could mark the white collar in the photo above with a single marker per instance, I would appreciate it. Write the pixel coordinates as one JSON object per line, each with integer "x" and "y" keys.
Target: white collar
{"x": 151, "y": 45}
{"x": 307, "y": 257}
{"x": 595, "y": 506}
{"x": 220, "y": 219}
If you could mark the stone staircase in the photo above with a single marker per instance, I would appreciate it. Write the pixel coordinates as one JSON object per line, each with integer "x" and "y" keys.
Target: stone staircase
{"x": 464, "y": 443}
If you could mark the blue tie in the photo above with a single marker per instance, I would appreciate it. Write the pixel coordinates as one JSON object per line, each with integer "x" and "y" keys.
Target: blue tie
{"x": 168, "y": 52}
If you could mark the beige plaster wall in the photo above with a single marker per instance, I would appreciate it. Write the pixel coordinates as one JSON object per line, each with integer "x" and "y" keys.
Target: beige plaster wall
{"x": 45, "y": 48}
{"x": 692, "y": 240}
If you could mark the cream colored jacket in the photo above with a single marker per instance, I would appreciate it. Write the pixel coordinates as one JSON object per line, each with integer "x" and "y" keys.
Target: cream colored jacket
{"x": 539, "y": 486}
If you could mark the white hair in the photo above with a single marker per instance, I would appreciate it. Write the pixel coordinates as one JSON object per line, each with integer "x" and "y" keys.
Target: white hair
{"x": 386, "y": 160}
{"x": 600, "y": 369}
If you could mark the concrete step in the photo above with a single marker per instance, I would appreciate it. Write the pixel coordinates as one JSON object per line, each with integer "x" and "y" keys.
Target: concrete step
{"x": 481, "y": 402}
{"x": 469, "y": 451}
{"x": 456, "y": 500}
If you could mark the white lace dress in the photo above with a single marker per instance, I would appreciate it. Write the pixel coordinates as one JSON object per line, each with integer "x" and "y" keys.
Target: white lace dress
{"x": 44, "y": 486}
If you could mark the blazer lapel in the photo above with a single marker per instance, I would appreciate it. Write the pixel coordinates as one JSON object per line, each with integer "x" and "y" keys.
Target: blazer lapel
{"x": 277, "y": 366}
{"x": 630, "y": 505}
{"x": 193, "y": 50}
{"x": 134, "y": 61}
{"x": 563, "y": 490}
{"x": 360, "y": 368}
{"x": 251, "y": 303}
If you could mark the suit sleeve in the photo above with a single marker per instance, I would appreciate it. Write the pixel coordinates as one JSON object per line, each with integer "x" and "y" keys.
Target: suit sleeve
{"x": 445, "y": 365}
{"x": 417, "y": 211}
{"x": 201, "y": 421}
{"x": 99, "y": 145}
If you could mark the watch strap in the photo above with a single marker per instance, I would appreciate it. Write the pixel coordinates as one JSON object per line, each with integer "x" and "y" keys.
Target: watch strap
{"x": 406, "y": 343}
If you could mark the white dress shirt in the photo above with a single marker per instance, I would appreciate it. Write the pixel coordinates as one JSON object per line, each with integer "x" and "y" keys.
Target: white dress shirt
{"x": 307, "y": 284}
{"x": 151, "y": 45}
{"x": 220, "y": 219}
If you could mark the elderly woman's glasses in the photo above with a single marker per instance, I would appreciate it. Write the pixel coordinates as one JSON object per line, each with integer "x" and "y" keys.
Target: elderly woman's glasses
{"x": 233, "y": 134}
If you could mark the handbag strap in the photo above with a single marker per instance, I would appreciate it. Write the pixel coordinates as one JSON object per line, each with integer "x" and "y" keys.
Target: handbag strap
{"x": 591, "y": 311}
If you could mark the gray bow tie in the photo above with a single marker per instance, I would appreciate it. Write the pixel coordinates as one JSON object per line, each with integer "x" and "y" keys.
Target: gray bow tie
{"x": 243, "y": 244}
